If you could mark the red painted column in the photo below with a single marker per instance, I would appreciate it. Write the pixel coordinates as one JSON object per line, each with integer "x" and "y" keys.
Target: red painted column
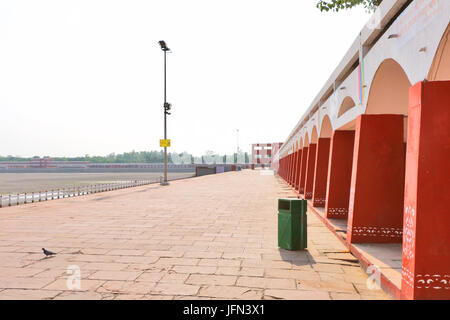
{"x": 378, "y": 179}
{"x": 339, "y": 174}
{"x": 321, "y": 172}
{"x": 294, "y": 157}
{"x": 426, "y": 227}
{"x": 291, "y": 174}
{"x": 290, "y": 168}
{"x": 310, "y": 166}
{"x": 301, "y": 187}
{"x": 299, "y": 165}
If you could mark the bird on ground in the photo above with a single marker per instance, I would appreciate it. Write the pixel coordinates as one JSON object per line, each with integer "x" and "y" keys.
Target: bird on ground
{"x": 48, "y": 253}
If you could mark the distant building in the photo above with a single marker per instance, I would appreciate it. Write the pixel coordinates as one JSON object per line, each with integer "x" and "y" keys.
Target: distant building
{"x": 262, "y": 152}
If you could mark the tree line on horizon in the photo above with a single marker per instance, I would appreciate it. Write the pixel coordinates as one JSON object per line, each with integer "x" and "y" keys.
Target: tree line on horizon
{"x": 128, "y": 157}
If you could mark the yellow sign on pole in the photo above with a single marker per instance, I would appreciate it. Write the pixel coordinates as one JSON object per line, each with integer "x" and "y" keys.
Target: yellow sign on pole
{"x": 164, "y": 143}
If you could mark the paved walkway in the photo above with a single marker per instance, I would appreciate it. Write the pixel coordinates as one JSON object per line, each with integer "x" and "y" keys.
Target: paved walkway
{"x": 207, "y": 237}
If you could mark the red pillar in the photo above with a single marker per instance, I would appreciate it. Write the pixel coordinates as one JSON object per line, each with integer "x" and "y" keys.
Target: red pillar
{"x": 294, "y": 157}
{"x": 301, "y": 187}
{"x": 321, "y": 171}
{"x": 310, "y": 166}
{"x": 378, "y": 179}
{"x": 299, "y": 165}
{"x": 291, "y": 172}
{"x": 288, "y": 158}
{"x": 339, "y": 174}
{"x": 426, "y": 228}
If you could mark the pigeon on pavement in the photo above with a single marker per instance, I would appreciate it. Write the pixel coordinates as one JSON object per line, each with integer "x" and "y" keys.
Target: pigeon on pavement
{"x": 48, "y": 253}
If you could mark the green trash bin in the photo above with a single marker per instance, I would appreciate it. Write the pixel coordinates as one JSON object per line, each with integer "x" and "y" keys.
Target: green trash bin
{"x": 292, "y": 224}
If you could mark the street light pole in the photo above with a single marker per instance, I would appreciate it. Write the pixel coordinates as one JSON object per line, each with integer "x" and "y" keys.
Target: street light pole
{"x": 167, "y": 107}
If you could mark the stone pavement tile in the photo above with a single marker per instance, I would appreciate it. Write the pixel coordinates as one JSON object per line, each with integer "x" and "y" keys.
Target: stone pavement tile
{"x": 25, "y": 294}
{"x": 174, "y": 278}
{"x": 220, "y": 262}
{"x": 328, "y": 268}
{"x": 85, "y": 295}
{"x": 201, "y": 279}
{"x": 291, "y": 274}
{"x": 115, "y": 275}
{"x": 252, "y": 272}
{"x": 381, "y": 296}
{"x": 151, "y": 276}
{"x": 177, "y": 262}
{"x": 85, "y": 285}
{"x": 191, "y": 298}
{"x": 296, "y": 294}
{"x": 129, "y": 297}
{"x": 230, "y": 292}
{"x": 260, "y": 282}
{"x": 106, "y": 266}
{"x": 136, "y": 259}
{"x": 344, "y": 296}
{"x": 24, "y": 283}
{"x": 157, "y": 297}
{"x": 195, "y": 269}
{"x": 60, "y": 273}
{"x": 240, "y": 271}
{"x": 226, "y": 249}
{"x": 88, "y": 251}
{"x": 131, "y": 287}
{"x": 189, "y": 248}
{"x": 255, "y": 263}
{"x": 166, "y": 254}
{"x": 20, "y": 272}
{"x": 175, "y": 289}
{"x": 243, "y": 255}
{"x": 207, "y": 254}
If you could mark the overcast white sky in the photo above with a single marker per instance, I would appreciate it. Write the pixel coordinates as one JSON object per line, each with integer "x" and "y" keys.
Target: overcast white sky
{"x": 85, "y": 77}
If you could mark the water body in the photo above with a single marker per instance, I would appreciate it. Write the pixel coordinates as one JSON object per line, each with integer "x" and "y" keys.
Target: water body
{"x": 24, "y": 181}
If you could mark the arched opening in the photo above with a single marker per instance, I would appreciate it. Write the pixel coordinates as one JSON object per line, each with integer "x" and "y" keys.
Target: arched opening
{"x": 322, "y": 160}
{"x": 326, "y": 129}
{"x": 346, "y": 105}
{"x": 306, "y": 140}
{"x": 389, "y": 92}
{"x": 378, "y": 166}
{"x": 440, "y": 69}
{"x": 314, "y": 135}
{"x": 311, "y": 164}
{"x": 302, "y": 171}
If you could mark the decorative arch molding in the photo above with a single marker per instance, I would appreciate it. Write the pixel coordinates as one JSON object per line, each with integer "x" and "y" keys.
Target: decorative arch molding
{"x": 389, "y": 91}
{"x": 440, "y": 67}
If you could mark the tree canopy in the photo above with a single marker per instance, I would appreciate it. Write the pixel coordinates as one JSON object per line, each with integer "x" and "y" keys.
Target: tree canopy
{"x": 336, "y": 5}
